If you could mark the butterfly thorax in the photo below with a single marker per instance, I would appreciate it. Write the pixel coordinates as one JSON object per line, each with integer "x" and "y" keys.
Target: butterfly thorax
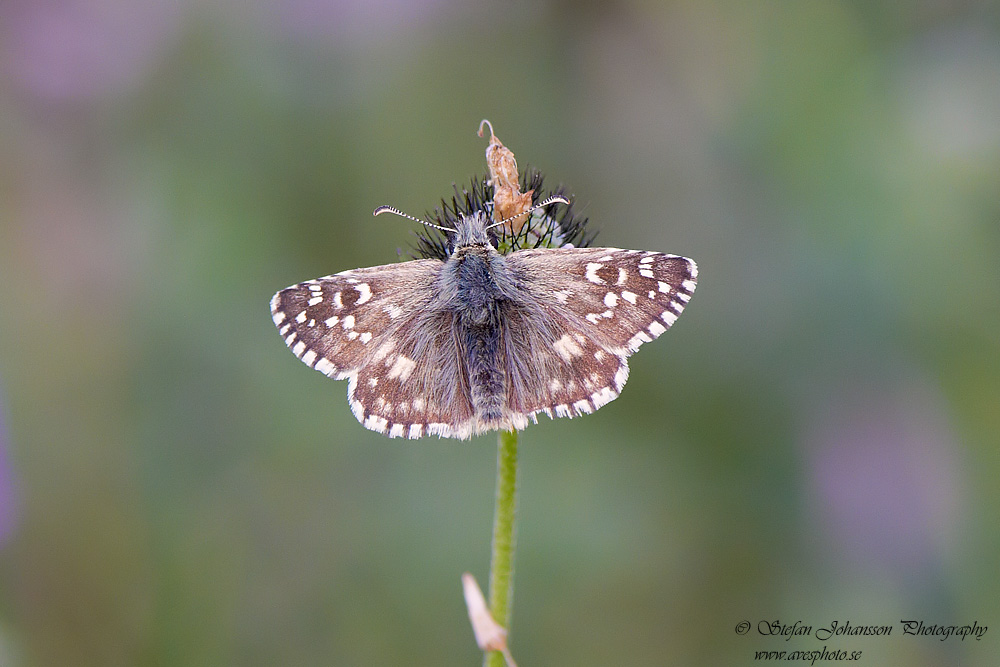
{"x": 476, "y": 279}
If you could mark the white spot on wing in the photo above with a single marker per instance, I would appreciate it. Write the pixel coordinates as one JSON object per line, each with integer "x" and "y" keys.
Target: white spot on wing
{"x": 629, "y": 296}
{"x": 364, "y": 293}
{"x": 301, "y": 317}
{"x": 402, "y": 368}
{"x": 656, "y": 329}
{"x": 611, "y": 299}
{"x": 352, "y": 383}
{"x": 602, "y": 396}
{"x": 376, "y": 423}
{"x": 637, "y": 340}
{"x": 443, "y": 430}
{"x": 591, "y": 274}
{"x": 621, "y": 376}
{"x": 313, "y": 301}
{"x": 365, "y": 337}
{"x": 330, "y": 321}
{"x": 567, "y": 348}
{"x": 383, "y": 350}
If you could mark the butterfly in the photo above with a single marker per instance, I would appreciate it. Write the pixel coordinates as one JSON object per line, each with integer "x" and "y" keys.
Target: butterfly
{"x": 480, "y": 340}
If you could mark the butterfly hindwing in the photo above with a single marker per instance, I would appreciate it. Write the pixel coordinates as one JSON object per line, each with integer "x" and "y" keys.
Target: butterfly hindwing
{"x": 415, "y": 383}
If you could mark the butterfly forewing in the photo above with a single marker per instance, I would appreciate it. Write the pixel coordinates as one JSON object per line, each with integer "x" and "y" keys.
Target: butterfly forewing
{"x": 586, "y": 311}
{"x": 330, "y": 323}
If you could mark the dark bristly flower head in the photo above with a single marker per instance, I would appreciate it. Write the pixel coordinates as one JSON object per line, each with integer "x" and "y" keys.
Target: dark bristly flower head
{"x": 510, "y": 200}
{"x": 554, "y": 226}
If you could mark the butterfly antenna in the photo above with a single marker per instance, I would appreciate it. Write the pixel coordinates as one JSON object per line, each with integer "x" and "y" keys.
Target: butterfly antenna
{"x": 391, "y": 209}
{"x": 554, "y": 199}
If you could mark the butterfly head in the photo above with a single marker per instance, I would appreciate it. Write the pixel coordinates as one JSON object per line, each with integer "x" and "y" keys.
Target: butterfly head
{"x": 472, "y": 231}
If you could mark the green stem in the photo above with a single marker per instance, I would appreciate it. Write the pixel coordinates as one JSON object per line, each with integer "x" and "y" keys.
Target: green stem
{"x": 502, "y": 562}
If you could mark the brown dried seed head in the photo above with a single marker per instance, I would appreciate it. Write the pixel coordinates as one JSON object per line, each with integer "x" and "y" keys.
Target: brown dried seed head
{"x": 508, "y": 200}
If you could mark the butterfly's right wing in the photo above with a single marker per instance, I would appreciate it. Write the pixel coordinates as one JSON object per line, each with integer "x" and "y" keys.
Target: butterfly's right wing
{"x": 584, "y": 312}
{"x": 381, "y": 328}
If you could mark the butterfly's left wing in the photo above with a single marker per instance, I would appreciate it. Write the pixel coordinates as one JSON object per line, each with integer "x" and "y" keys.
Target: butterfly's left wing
{"x": 584, "y": 312}
{"x": 384, "y": 331}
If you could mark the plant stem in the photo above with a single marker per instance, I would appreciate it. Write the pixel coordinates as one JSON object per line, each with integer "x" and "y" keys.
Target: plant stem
{"x": 502, "y": 561}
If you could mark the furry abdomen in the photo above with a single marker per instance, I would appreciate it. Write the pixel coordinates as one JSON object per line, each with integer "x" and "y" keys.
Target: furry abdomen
{"x": 486, "y": 378}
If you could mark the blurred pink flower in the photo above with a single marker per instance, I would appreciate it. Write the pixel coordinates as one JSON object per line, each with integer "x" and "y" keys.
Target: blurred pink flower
{"x": 883, "y": 462}
{"x": 80, "y": 49}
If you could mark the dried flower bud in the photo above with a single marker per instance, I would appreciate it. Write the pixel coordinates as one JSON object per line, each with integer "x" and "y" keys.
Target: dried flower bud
{"x": 508, "y": 200}
{"x": 490, "y": 635}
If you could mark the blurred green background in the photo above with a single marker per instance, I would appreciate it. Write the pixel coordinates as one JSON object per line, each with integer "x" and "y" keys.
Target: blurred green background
{"x": 816, "y": 439}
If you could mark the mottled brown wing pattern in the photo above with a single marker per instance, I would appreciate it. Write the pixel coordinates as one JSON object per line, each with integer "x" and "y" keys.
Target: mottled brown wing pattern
{"x": 416, "y": 383}
{"x": 586, "y": 311}
{"x": 565, "y": 336}
{"x": 379, "y": 328}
